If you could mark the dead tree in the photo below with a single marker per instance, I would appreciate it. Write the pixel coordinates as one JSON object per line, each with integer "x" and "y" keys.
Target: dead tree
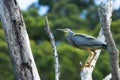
{"x": 17, "y": 41}
{"x": 105, "y": 14}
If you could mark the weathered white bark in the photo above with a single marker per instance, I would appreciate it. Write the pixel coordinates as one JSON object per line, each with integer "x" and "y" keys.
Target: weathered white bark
{"x": 108, "y": 77}
{"x": 105, "y": 13}
{"x": 17, "y": 41}
{"x": 56, "y": 63}
{"x": 86, "y": 73}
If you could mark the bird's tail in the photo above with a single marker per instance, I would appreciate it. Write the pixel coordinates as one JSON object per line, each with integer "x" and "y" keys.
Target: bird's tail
{"x": 104, "y": 46}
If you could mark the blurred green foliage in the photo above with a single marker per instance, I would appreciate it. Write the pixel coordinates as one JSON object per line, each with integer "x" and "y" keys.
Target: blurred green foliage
{"x": 79, "y": 15}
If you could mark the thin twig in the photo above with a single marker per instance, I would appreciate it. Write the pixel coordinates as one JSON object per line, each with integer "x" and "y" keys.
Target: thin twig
{"x": 56, "y": 63}
{"x": 105, "y": 13}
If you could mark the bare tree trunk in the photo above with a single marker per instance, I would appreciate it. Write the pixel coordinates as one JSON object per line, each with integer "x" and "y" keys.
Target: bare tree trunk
{"x": 105, "y": 13}
{"x": 17, "y": 41}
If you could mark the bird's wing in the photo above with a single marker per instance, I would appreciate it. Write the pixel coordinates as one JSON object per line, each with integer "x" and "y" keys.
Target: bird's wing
{"x": 85, "y": 40}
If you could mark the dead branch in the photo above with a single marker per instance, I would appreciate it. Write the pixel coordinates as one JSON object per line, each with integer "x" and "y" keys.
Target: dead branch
{"x": 56, "y": 63}
{"x": 105, "y": 13}
{"x": 108, "y": 77}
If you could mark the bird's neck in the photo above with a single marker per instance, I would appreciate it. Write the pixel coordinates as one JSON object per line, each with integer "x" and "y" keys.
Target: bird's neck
{"x": 69, "y": 33}
{"x": 69, "y": 38}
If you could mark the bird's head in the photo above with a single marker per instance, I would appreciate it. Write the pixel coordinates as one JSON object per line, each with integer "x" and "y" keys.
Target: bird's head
{"x": 65, "y": 30}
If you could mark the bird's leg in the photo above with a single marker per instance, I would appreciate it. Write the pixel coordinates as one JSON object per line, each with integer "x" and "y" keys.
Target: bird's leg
{"x": 93, "y": 56}
{"x": 89, "y": 60}
{"x": 88, "y": 63}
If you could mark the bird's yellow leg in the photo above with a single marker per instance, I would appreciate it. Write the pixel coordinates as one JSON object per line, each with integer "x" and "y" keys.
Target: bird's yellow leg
{"x": 88, "y": 61}
{"x": 92, "y": 58}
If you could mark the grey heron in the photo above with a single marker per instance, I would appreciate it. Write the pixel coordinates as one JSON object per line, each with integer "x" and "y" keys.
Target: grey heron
{"x": 85, "y": 42}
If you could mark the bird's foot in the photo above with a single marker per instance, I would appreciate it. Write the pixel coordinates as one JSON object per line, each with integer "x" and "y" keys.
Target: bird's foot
{"x": 81, "y": 67}
{"x": 85, "y": 65}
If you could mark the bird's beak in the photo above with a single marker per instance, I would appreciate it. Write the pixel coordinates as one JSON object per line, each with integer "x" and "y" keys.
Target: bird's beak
{"x": 63, "y": 30}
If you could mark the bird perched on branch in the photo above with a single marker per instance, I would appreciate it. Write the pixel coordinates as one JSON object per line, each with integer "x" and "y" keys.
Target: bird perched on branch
{"x": 84, "y": 42}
